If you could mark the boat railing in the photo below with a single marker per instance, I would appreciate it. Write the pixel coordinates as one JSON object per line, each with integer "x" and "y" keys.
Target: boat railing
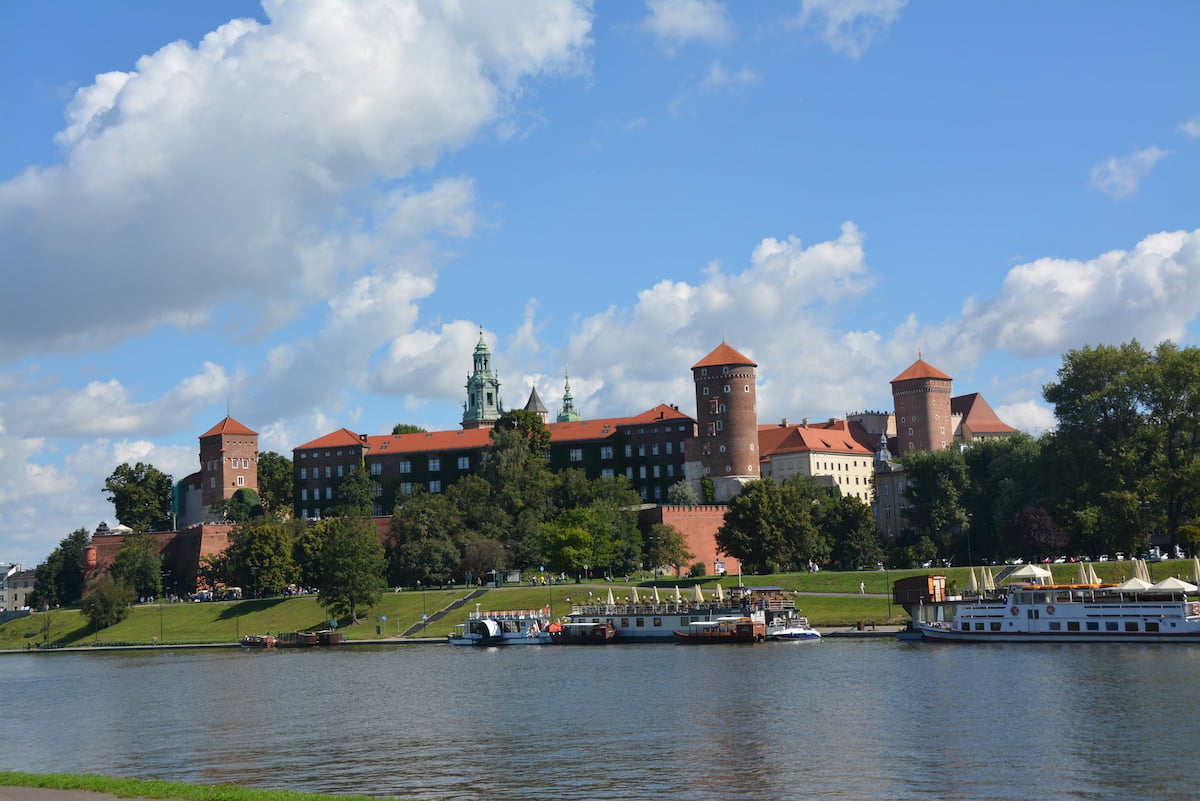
{"x": 668, "y": 608}
{"x": 511, "y": 614}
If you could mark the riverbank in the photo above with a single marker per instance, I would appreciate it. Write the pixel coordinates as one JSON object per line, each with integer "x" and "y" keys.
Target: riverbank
{"x": 19, "y": 786}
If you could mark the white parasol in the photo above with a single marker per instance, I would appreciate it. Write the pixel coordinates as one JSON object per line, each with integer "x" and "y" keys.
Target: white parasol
{"x": 633, "y": 597}
{"x": 1135, "y": 584}
{"x": 1173, "y": 584}
{"x": 1092, "y": 577}
{"x": 988, "y": 582}
{"x": 1196, "y": 569}
{"x": 720, "y": 593}
{"x": 972, "y": 582}
{"x": 697, "y": 594}
{"x": 678, "y": 597}
{"x": 657, "y": 600}
{"x": 611, "y": 602}
{"x": 1083, "y": 574}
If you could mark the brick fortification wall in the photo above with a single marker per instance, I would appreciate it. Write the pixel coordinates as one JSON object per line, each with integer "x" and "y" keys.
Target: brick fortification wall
{"x": 698, "y": 525}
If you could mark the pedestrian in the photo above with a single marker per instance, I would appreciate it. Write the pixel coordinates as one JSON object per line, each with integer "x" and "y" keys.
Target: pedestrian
{"x": 862, "y": 588}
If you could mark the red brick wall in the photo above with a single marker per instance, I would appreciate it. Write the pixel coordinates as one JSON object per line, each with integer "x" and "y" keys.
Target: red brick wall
{"x": 698, "y": 525}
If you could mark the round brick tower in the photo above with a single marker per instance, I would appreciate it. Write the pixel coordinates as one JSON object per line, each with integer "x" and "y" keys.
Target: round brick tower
{"x": 726, "y": 450}
{"x": 922, "y": 398}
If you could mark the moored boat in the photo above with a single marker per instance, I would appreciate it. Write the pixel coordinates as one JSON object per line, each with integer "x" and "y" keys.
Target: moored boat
{"x": 296, "y": 639}
{"x": 1042, "y": 611}
{"x": 798, "y": 631}
{"x": 722, "y": 630}
{"x": 509, "y": 627}
{"x": 258, "y": 641}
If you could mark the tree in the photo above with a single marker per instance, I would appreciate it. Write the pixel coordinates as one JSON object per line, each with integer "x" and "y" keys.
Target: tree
{"x": 665, "y": 545}
{"x": 406, "y": 428}
{"x": 356, "y": 494}
{"x": 935, "y": 484}
{"x": 351, "y": 566}
{"x": 275, "y": 483}
{"x": 483, "y": 555}
{"x": 108, "y": 602}
{"x": 1034, "y": 530}
{"x": 514, "y": 464}
{"x": 681, "y": 494}
{"x": 851, "y": 527}
{"x": 753, "y": 531}
{"x": 59, "y": 580}
{"x": 139, "y": 565}
{"x": 425, "y": 530}
{"x": 1003, "y": 477}
{"x": 261, "y": 557}
{"x": 141, "y": 496}
{"x": 243, "y": 505}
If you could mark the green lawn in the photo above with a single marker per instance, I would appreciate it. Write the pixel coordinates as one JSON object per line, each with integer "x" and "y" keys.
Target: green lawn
{"x": 141, "y": 788}
{"x": 225, "y": 622}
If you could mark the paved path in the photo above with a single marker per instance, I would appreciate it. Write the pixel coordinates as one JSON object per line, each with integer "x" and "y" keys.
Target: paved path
{"x": 43, "y": 794}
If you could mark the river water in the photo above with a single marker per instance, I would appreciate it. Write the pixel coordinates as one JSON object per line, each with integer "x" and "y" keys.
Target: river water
{"x": 839, "y": 719}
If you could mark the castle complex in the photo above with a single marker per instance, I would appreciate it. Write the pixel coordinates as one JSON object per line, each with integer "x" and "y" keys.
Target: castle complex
{"x": 716, "y": 452}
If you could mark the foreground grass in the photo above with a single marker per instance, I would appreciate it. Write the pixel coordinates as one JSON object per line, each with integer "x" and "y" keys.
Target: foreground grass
{"x": 141, "y": 788}
{"x": 835, "y": 601}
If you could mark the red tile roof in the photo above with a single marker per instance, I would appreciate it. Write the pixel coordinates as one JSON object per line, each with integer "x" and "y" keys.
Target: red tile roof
{"x": 723, "y": 355}
{"x": 832, "y": 437}
{"x": 477, "y": 438}
{"x": 921, "y": 369}
{"x": 228, "y": 426}
{"x": 978, "y": 415}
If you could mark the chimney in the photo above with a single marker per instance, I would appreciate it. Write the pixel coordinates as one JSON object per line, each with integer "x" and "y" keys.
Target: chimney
{"x": 804, "y": 422}
{"x": 784, "y": 423}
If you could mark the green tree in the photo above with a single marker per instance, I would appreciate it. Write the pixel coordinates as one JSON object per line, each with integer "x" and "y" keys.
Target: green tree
{"x": 1003, "y": 477}
{"x": 275, "y": 483}
{"x": 935, "y": 483}
{"x": 754, "y": 528}
{"x": 851, "y": 528}
{"x": 139, "y": 565}
{"x": 141, "y": 496}
{"x": 1171, "y": 399}
{"x": 665, "y": 545}
{"x": 243, "y": 505}
{"x": 1033, "y": 530}
{"x": 514, "y": 464}
{"x": 484, "y": 555}
{"x": 352, "y": 566}
{"x": 425, "y": 530}
{"x": 681, "y": 494}
{"x": 108, "y": 602}
{"x": 260, "y": 557}
{"x": 406, "y": 428}
{"x": 59, "y": 580}
{"x": 356, "y": 494}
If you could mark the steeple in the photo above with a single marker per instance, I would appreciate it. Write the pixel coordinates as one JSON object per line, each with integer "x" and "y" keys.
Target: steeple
{"x": 483, "y": 407}
{"x": 568, "y": 413}
{"x": 883, "y": 454}
{"x": 535, "y": 405}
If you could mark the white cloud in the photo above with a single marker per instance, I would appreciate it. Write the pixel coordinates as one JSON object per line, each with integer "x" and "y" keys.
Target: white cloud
{"x": 720, "y": 78}
{"x": 1120, "y": 177}
{"x": 849, "y": 26}
{"x": 1190, "y": 128}
{"x": 1030, "y": 416}
{"x": 676, "y": 23}
{"x": 239, "y": 171}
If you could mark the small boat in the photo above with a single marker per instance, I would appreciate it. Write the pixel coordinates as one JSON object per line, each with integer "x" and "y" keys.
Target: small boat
{"x": 582, "y": 633}
{"x": 258, "y": 641}
{"x": 798, "y": 631}
{"x": 329, "y": 637}
{"x": 510, "y": 627}
{"x": 722, "y": 630}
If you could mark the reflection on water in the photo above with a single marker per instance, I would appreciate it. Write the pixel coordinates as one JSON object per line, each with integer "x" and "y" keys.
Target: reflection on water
{"x": 841, "y": 719}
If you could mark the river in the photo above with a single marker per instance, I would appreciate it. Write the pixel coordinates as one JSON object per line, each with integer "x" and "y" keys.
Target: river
{"x": 839, "y": 719}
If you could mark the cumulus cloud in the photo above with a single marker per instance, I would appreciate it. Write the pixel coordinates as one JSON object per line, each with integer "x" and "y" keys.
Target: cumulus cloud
{"x": 676, "y": 23}
{"x": 849, "y": 26}
{"x": 244, "y": 169}
{"x": 1190, "y": 128}
{"x": 1120, "y": 177}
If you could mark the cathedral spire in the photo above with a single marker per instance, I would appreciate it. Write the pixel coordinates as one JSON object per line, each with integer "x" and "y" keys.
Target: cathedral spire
{"x": 568, "y": 413}
{"x": 483, "y": 407}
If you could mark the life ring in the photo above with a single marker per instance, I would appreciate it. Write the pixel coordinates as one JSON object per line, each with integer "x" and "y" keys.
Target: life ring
{"x": 1196, "y": 609}
{"x": 1015, "y": 611}
{"x": 1050, "y": 609}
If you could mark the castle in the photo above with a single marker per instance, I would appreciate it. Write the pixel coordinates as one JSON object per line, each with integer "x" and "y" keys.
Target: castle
{"x": 716, "y": 452}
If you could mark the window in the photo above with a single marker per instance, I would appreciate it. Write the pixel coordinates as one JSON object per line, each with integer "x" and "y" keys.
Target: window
{"x": 629, "y": 472}
{"x": 304, "y": 496}
{"x": 656, "y": 471}
{"x": 341, "y": 471}
{"x": 435, "y": 464}
{"x": 606, "y": 452}
{"x": 328, "y": 471}
{"x": 464, "y": 463}
{"x": 329, "y": 493}
{"x": 378, "y": 490}
{"x": 641, "y": 450}
{"x": 405, "y": 466}
{"x": 575, "y": 454}
{"x": 669, "y": 447}
{"x": 642, "y": 471}
{"x": 406, "y": 488}
{"x": 606, "y": 472}
{"x": 241, "y": 481}
{"x": 654, "y": 449}
{"x": 628, "y": 451}
{"x": 657, "y": 493}
{"x": 706, "y": 390}
{"x": 726, "y": 389}
{"x": 376, "y": 469}
{"x": 377, "y": 510}
{"x": 435, "y": 486}
{"x": 745, "y": 388}
{"x": 303, "y": 473}
{"x": 670, "y": 470}
{"x": 212, "y": 482}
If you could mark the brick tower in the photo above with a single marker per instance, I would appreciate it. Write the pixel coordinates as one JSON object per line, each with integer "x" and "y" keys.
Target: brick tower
{"x": 726, "y": 450}
{"x": 228, "y": 461}
{"x": 921, "y": 395}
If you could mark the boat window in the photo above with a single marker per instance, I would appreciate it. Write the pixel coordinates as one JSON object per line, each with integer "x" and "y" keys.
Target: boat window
{"x": 1110, "y": 625}
{"x": 624, "y": 622}
{"x": 995, "y": 626}
{"x": 1093, "y": 625}
{"x": 979, "y": 627}
{"x": 966, "y": 626}
{"x": 1056, "y": 626}
{"x": 1073, "y": 625}
{"x": 1131, "y": 625}
{"x": 658, "y": 621}
{"x": 1151, "y": 625}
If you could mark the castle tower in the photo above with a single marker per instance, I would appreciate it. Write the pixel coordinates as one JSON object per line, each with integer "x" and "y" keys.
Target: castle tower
{"x": 228, "y": 461}
{"x": 535, "y": 405}
{"x": 921, "y": 395}
{"x": 568, "y": 413}
{"x": 483, "y": 407}
{"x": 726, "y": 450}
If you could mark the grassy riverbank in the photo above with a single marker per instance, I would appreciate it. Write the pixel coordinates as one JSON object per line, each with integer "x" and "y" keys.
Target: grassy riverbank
{"x": 834, "y": 601}
{"x": 141, "y": 788}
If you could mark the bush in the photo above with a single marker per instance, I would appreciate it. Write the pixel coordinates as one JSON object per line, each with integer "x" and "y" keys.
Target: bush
{"x": 697, "y": 570}
{"x": 108, "y": 602}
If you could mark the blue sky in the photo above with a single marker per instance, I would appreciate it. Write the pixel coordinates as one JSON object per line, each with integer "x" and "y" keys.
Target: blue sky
{"x": 306, "y": 213}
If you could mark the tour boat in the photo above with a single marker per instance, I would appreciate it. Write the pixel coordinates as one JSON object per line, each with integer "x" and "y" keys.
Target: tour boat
{"x": 1135, "y": 611}
{"x": 510, "y": 627}
{"x": 582, "y": 633}
{"x": 654, "y": 618}
{"x": 258, "y": 641}
{"x": 722, "y": 630}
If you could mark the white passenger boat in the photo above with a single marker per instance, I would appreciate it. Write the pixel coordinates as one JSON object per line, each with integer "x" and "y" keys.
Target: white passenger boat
{"x": 1135, "y": 611}
{"x": 798, "y": 631}
{"x": 654, "y": 618}
{"x": 509, "y": 627}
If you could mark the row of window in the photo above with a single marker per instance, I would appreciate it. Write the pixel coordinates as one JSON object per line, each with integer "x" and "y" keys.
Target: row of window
{"x": 234, "y": 463}
{"x": 317, "y": 455}
{"x": 212, "y": 482}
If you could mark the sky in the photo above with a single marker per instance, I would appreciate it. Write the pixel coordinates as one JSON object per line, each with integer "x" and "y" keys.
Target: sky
{"x": 306, "y": 214}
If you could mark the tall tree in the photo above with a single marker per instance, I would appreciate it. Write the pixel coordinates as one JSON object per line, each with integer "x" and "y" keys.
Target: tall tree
{"x": 665, "y": 545}
{"x": 139, "y": 565}
{"x": 935, "y": 482}
{"x": 141, "y": 496}
{"x": 108, "y": 602}
{"x": 352, "y": 566}
{"x": 851, "y": 528}
{"x": 356, "y": 494}
{"x": 275, "y": 483}
{"x": 754, "y": 530}
{"x": 261, "y": 557}
{"x": 514, "y": 463}
{"x": 59, "y": 580}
